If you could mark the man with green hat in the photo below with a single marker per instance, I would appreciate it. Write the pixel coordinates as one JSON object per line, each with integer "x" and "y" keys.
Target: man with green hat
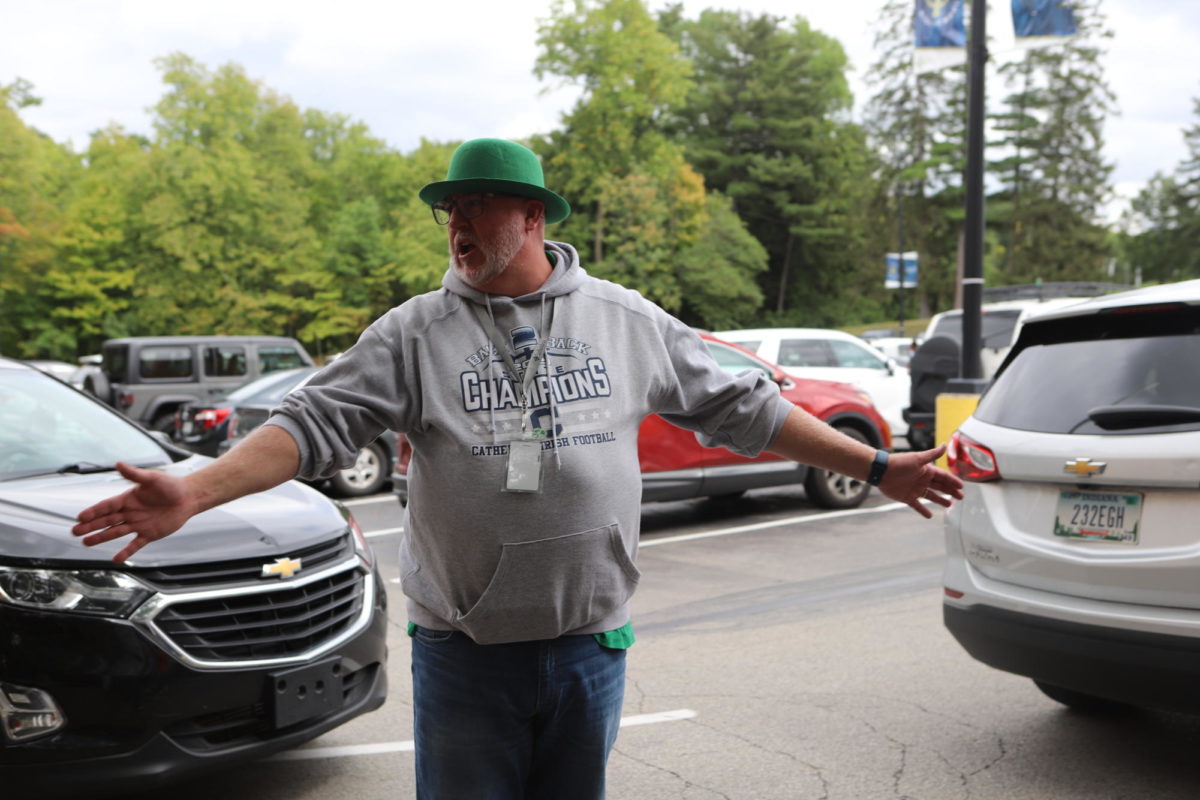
{"x": 521, "y": 384}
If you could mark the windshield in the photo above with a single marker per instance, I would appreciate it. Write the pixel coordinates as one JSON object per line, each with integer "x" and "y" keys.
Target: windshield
{"x": 995, "y": 327}
{"x": 45, "y": 426}
{"x": 273, "y": 388}
{"x": 277, "y": 383}
{"x": 1112, "y": 386}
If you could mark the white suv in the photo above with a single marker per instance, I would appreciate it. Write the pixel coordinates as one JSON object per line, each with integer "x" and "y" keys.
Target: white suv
{"x": 1074, "y": 556}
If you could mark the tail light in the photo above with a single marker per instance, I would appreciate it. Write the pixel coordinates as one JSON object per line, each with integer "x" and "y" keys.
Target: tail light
{"x": 403, "y": 454}
{"x": 231, "y": 432}
{"x": 212, "y": 417}
{"x": 970, "y": 460}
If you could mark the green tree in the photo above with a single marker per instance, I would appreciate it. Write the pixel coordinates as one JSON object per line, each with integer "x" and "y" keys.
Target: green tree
{"x": 639, "y": 207}
{"x": 1165, "y": 219}
{"x": 917, "y": 124}
{"x": 767, "y": 125}
{"x": 37, "y": 179}
{"x": 1052, "y": 171}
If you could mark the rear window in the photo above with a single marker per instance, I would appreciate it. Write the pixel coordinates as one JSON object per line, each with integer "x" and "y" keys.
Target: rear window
{"x": 995, "y": 327}
{"x": 172, "y": 362}
{"x": 274, "y": 357}
{"x": 1138, "y": 384}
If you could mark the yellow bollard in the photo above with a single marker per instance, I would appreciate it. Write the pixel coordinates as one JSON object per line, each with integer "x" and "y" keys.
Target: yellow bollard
{"x": 951, "y": 411}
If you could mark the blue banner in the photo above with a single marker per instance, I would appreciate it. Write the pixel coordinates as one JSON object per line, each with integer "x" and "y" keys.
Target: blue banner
{"x": 891, "y": 278}
{"x": 939, "y": 23}
{"x": 1042, "y": 18}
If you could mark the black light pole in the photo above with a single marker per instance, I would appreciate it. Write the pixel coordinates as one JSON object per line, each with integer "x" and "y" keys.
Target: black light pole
{"x": 900, "y": 247}
{"x": 972, "y": 280}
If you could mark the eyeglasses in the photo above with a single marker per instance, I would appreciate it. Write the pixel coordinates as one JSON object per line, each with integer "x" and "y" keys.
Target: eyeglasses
{"x": 469, "y": 206}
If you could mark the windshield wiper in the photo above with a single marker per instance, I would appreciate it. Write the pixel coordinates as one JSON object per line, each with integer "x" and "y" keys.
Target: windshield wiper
{"x": 78, "y": 468}
{"x": 1115, "y": 418}
{"x": 85, "y": 468}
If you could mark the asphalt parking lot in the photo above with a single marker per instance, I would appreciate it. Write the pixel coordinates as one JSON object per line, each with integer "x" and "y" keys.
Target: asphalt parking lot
{"x": 783, "y": 653}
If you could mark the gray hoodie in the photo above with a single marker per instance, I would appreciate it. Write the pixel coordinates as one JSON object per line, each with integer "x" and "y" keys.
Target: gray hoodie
{"x": 505, "y": 566}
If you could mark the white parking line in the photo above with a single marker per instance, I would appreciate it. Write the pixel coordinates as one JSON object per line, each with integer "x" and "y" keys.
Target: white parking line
{"x": 384, "y": 532}
{"x": 778, "y": 523}
{"x": 366, "y": 501}
{"x": 308, "y": 753}
{"x": 758, "y": 526}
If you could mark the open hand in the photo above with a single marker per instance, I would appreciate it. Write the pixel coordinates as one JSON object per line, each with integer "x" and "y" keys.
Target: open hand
{"x": 912, "y": 478}
{"x": 157, "y": 505}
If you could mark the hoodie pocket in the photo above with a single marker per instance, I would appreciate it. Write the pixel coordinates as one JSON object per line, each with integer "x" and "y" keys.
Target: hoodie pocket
{"x": 545, "y": 588}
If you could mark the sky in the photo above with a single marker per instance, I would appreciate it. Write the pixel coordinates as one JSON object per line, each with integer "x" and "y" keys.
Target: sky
{"x": 456, "y": 70}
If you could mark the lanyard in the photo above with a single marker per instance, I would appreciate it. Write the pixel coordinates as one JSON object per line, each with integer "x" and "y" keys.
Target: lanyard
{"x": 521, "y": 386}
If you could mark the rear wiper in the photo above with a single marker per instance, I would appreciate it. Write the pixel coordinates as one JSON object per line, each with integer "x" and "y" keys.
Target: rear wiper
{"x": 85, "y": 468}
{"x": 1115, "y": 418}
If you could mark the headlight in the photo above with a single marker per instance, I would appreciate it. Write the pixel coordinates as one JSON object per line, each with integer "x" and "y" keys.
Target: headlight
{"x": 361, "y": 545}
{"x": 86, "y": 591}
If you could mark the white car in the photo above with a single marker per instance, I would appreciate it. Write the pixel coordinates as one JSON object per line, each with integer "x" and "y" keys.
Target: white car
{"x": 897, "y": 348}
{"x": 834, "y": 356}
{"x": 1073, "y": 557}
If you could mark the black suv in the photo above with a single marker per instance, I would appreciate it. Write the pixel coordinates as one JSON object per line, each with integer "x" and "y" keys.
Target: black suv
{"x": 255, "y": 627}
{"x": 148, "y": 378}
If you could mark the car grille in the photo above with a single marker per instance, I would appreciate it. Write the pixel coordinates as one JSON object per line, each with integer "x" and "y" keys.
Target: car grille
{"x": 289, "y": 621}
{"x": 244, "y": 570}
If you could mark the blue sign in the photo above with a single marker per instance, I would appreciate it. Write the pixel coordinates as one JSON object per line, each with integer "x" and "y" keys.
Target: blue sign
{"x": 1043, "y": 18}
{"x": 939, "y": 23}
{"x": 891, "y": 278}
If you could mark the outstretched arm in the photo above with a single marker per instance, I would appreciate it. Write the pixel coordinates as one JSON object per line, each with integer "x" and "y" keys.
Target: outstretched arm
{"x": 158, "y": 503}
{"x": 910, "y": 477}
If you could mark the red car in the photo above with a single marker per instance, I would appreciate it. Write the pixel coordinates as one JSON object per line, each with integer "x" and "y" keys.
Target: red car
{"x": 675, "y": 466}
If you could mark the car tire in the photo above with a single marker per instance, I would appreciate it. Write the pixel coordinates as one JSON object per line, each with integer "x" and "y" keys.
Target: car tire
{"x": 832, "y": 490}
{"x": 1078, "y": 701}
{"x": 366, "y": 476}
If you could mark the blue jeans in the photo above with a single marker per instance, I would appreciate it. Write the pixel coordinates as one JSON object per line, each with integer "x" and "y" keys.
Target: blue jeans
{"x": 521, "y": 721}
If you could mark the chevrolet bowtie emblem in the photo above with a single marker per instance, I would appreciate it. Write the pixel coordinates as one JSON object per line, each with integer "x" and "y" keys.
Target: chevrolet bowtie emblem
{"x": 283, "y": 567}
{"x": 1084, "y": 467}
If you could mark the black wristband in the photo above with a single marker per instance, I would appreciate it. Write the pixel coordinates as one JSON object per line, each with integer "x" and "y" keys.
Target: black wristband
{"x": 878, "y": 467}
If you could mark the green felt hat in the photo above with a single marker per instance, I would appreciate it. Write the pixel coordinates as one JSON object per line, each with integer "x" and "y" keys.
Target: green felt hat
{"x": 497, "y": 165}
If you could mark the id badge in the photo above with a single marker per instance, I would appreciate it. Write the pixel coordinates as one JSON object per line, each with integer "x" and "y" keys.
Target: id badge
{"x": 524, "y": 472}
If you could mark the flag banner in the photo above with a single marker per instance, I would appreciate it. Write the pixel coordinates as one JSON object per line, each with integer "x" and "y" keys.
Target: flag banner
{"x": 939, "y": 34}
{"x": 1038, "y": 18}
{"x": 891, "y": 279}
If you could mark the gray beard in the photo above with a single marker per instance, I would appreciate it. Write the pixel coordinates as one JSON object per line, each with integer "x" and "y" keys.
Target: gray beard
{"x": 497, "y": 255}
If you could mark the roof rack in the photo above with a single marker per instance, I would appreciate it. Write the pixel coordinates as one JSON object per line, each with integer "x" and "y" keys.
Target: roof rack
{"x": 1045, "y": 291}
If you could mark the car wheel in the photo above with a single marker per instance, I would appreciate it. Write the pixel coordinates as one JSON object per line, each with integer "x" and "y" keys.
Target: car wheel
{"x": 833, "y": 490}
{"x": 1078, "y": 701}
{"x": 366, "y": 476}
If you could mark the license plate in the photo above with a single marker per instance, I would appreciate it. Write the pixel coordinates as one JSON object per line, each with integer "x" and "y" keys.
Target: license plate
{"x": 306, "y": 692}
{"x": 1098, "y": 516}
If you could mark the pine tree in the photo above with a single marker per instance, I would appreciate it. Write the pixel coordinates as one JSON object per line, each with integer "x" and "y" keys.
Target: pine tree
{"x": 1052, "y": 171}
